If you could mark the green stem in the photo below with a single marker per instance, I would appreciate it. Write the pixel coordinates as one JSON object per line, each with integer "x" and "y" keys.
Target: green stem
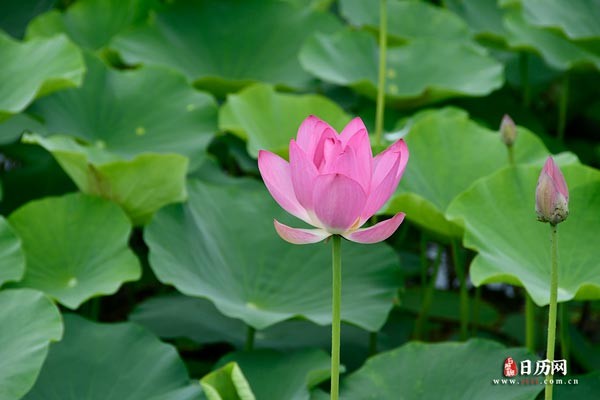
{"x": 552, "y": 308}
{"x": 427, "y": 299}
{"x": 565, "y": 340}
{"x": 476, "y": 308}
{"x": 524, "y": 70}
{"x": 562, "y": 108}
{"x": 382, "y": 68}
{"x": 511, "y": 155}
{"x": 336, "y": 300}
{"x": 464, "y": 294}
{"x": 529, "y": 323}
{"x": 250, "y": 333}
{"x": 372, "y": 343}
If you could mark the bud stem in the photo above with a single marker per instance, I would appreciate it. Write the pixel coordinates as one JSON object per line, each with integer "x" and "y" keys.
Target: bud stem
{"x": 511, "y": 156}
{"x": 552, "y": 307}
{"x": 382, "y": 68}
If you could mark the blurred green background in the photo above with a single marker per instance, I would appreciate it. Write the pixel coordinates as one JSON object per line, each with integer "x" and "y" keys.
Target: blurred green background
{"x": 137, "y": 252}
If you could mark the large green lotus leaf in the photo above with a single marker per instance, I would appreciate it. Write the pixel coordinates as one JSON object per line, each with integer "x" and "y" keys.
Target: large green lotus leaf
{"x": 578, "y": 19}
{"x": 556, "y": 49}
{"x": 282, "y": 375}
{"x": 268, "y": 120}
{"x": 75, "y": 247}
{"x": 438, "y": 371}
{"x": 30, "y": 321}
{"x": 227, "y": 383}
{"x": 202, "y": 39}
{"x": 446, "y": 306}
{"x": 16, "y": 14}
{"x": 12, "y": 128}
{"x": 111, "y": 362}
{"x": 405, "y": 19}
{"x": 448, "y": 152}
{"x": 91, "y": 23}
{"x": 12, "y": 259}
{"x": 197, "y": 319}
{"x": 177, "y": 316}
{"x": 140, "y": 186}
{"x": 226, "y": 249}
{"x": 499, "y": 219}
{"x": 170, "y": 116}
{"x": 483, "y": 16}
{"x": 34, "y": 174}
{"x": 413, "y": 76}
{"x": 22, "y": 77}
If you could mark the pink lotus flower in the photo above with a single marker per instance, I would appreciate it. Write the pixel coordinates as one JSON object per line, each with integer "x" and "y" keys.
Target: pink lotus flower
{"x": 333, "y": 183}
{"x": 551, "y": 194}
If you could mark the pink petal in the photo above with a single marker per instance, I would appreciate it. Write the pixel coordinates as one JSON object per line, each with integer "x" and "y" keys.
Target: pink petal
{"x": 381, "y": 193}
{"x": 351, "y": 129}
{"x": 361, "y": 145}
{"x": 327, "y": 139}
{"x": 300, "y": 236}
{"x": 385, "y": 160}
{"x": 558, "y": 179}
{"x": 338, "y": 201}
{"x": 276, "y": 174}
{"x": 378, "y": 232}
{"x": 344, "y": 162}
{"x": 332, "y": 149}
{"x": 303, "y": 173}
{"x": 310, "y": 132}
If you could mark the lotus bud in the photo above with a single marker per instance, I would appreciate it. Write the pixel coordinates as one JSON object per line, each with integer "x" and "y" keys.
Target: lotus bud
{"x": 508, "y": 130}
{"x": 551, "y": 195}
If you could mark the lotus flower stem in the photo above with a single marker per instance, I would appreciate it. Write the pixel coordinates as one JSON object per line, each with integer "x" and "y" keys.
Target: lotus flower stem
{"x": 250, "y": 333}
{"x": 552, "y": 308}
{"x": 562, "y": 108}
{"x": 336, "y": 300}
{"x": 464, "y": 294}
{"x": 564, "y": 331}
{"x": 529, "y": 323}
{"x": 524, "y": 72}
{"x": 428, "y": 298}
{"x": 382, "y": 69}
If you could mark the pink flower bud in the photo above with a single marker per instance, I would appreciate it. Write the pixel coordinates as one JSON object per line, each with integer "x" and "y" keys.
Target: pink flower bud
{"x": 551, "y": 194}
{"x": 508, "y": 130}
